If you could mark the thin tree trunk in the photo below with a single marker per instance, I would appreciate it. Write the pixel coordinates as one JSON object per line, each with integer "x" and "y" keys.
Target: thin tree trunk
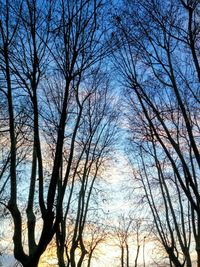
{"x": 122, "y": 256}
{"x": 72, "y": 256}
{"x": 137, "y": 254}
{"x": 127, "y": 255}
{"x": 89, "y": 259}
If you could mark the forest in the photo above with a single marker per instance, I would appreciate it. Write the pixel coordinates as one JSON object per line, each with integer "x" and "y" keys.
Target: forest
{"x": 99, "y": 133}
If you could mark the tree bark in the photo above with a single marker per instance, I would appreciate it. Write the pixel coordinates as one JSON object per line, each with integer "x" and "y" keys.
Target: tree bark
{"x": 127, "y": 255}
{"x": 198, "y": 257}
{"x": 122, "y": 256}
{"x": 137, "y": 254}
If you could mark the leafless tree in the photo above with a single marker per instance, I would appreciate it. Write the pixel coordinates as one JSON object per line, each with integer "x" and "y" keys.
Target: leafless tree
{"x": 122, "y": 233}
{"x": 96, "y": 235}
{"x": 41, "y": 40}
{"x": 158, "y": 60}
{"x": 93, "y": 147}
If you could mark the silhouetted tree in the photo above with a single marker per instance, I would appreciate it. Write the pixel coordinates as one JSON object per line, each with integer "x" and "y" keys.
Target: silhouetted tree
{"x": 94, "y": 144}
{"x": 158, "y": 60}
{"x": 42, "y": 40}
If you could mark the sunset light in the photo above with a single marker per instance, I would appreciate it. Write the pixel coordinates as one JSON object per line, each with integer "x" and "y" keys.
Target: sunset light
{"x": 99, "y": 133}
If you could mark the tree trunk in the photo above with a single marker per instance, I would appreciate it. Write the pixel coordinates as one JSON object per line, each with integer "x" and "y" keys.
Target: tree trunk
{"x": 60, "y": 256}
{"x": 31, "y": 262}
{"x": 127, "y": 255}
{"x": 198, "y": 258}
{"x": 83, "y": 253}
{"x": 188, "y": 260}
{"x": 89, "y": 260}
{"x": 137, "y": 254}
{"x": 122, "y": 256}
{"x": 72, "y": 256}
{"x": 173, "y": 258}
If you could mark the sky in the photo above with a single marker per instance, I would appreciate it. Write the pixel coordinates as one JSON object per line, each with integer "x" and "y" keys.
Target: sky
{"x": 108, "y": 253}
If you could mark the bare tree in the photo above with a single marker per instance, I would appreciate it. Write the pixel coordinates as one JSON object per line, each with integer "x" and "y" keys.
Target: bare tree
{"x": 160, "y": 66}
{"x": 41, "y": 40}
{"x": 122, "y": 233}
{"x": 96, "y": 235}
{"x": 94, "y": 145}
